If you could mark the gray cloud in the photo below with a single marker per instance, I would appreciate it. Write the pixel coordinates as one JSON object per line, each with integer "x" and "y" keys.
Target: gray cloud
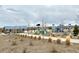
{"x": 32, "y": 14}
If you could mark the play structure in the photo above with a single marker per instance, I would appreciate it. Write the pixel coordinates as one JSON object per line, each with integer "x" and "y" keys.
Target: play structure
{"x": 41, "y": 31}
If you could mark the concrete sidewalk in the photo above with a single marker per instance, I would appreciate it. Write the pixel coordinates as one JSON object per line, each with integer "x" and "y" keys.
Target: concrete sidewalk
{"x": 47, "y": 37}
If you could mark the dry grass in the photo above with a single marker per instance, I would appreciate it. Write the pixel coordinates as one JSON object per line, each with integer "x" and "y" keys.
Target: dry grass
{"x": 9, "y": 44}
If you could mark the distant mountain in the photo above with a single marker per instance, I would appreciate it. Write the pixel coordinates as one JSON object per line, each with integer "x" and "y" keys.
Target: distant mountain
{"x": 15, "y": 27}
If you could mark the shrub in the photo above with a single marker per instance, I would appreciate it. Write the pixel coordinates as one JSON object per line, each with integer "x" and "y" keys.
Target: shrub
{"x": 54, "y": 41}
{"x": 76, "y": 30}
{"x": 24, "y": 51}
{"x": 28, "y": 37}
{"x": 50, "y": 40}
{"x": 67, "y": 42}
{"x": 53, "y": 35}
{"x": 25, "y": 36}
{"x": 31, "y": 44}
{"x": 70, "y": 36}
{"x": 14, "y": 43}
{"x": 54, "y": 50}
{"x": 39, "y": 38}
{"x": 35, "y": 37}
{"x": 15, "y": 37}
{"x": 31, "y": 37}
{"x": 58, "y": 41}
{"x": 78, "y": 37}
{"x": 21, "y": 39}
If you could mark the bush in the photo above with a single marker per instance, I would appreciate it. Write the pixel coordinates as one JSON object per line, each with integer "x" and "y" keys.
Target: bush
{"x": 70, "y": 36}
{"x": 14, "y": 43}
{"x": 31, "y": 44}
{"x": 31, "y": 37}
{"x": 53, "y": 35}
{"x": 39, "y": 38}
{"x": 78, "y": 37}
{"x": 54, "y": 41}
{"x": 21, "y": 39}
{"x": 35, "y": 37}
{"x": 54, "y": 50}
{"x": 76, "y": 30}
{"x": 58, "y": 41}
{"x": 67, "y": 42}
{"x": 28, "y": 37}
{"x": 15, "y": 37}
{"x": 50, "y": 40}
{"x": 25, "y": 36}
{"x": 24, "y": 51}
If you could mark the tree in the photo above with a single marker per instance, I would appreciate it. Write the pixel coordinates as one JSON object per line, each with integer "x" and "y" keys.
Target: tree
{"x": 76, "y": 30}
{"x": 3, "y": 29}
{"x": 37, "y": 24}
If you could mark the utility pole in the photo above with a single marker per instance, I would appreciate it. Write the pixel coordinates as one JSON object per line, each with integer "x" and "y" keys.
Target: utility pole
{"x": 28, "y": 26}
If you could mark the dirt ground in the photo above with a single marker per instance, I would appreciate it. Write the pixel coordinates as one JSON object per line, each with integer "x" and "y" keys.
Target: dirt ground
{"x": 10, "y": 43}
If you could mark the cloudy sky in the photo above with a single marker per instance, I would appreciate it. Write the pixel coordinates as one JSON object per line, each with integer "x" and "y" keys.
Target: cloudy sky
{"x": 17, "y": 15}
